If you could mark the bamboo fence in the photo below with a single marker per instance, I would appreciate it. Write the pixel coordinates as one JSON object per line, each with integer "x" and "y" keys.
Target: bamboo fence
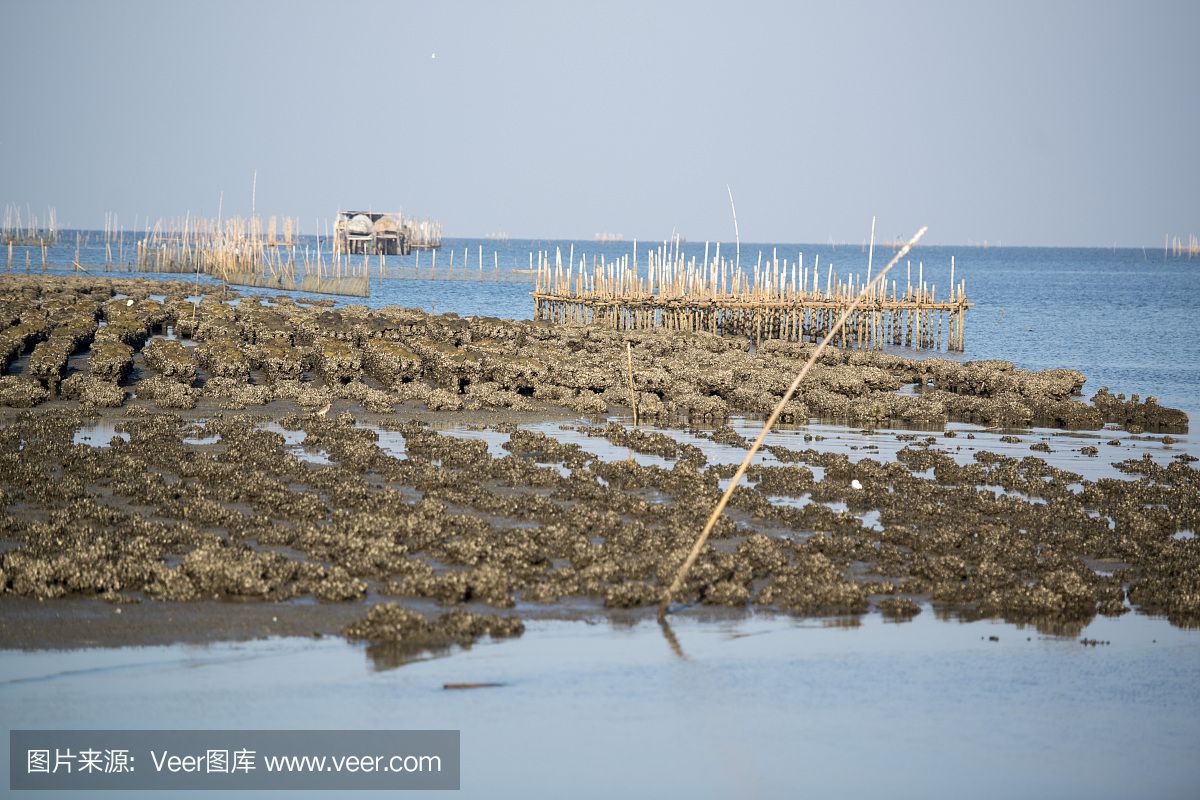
{"x": 774, "y": 299}
{"x": 244, "y": 252}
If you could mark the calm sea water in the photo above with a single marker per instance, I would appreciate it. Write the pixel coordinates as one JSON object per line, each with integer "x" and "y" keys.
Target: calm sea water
{"x": 1124, "y": 317}
{"x": 761, "y": 707}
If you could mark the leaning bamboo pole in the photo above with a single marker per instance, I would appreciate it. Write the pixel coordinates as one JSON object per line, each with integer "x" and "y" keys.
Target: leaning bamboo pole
{"x": 698, "y": 546}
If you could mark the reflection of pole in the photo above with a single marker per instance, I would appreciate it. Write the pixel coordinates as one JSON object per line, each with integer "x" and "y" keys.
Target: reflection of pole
{"x": 669, "y": 635}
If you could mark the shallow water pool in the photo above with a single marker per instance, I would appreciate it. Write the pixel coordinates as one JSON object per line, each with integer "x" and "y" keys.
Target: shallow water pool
{"x": 756, "y": 706}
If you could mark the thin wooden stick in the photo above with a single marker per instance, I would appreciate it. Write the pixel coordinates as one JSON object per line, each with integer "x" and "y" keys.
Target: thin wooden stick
{"x": 871, "y": 252}
{"x": 737, "y": 238}
{"x": 665, "y": 603}
{"x": 632, "y": 393}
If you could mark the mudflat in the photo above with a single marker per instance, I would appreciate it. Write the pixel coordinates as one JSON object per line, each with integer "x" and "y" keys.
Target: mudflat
{"x": 178, "y": 468}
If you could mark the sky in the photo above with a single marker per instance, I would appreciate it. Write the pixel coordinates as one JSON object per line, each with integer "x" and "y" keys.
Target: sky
{"x": 1021, "y": 123}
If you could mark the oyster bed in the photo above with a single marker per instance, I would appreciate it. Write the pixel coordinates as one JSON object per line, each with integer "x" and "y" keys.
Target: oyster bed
{"x": 455, "y": 475}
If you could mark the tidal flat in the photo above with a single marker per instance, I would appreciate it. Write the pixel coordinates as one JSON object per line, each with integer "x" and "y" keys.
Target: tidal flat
{"x": 172, "y": 465}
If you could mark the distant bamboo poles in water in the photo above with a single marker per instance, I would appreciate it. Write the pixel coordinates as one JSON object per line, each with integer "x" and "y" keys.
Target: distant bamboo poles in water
{"x": 25, "y": 229}
{"x": 1177, "y": 247}
{"x": 467, "y": 264}
{"x": 774, "y": 299}
{"x": 244, "y": 252}
{"x": 422, "y": 234}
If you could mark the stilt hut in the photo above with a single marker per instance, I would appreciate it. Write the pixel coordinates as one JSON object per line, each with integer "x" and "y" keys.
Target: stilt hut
{"x": 371, "y": 232}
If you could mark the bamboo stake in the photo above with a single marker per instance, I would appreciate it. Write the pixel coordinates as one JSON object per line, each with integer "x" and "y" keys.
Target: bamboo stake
{"x": 737, "y": 238}
{"x": 632, "y": 393}
{"x": 871, "y": 252}
{"x": 664, "y": 604}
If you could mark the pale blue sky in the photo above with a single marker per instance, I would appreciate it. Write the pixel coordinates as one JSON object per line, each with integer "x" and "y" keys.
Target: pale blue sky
{"x": 1026, "y": 123}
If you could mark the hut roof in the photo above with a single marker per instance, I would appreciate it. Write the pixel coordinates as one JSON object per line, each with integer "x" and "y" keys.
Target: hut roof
{"x": 387, "y": 225}
{"x": 359, "y": 224}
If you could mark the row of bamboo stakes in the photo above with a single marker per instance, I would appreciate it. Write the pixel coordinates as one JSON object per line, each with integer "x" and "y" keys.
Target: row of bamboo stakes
{"x": 26, "y": 230}
{"x": 1177, "y": 247}
{"x": 775, "y": 299}
{"x": 422, "y": 234}
{"x": 245, "y": 251}
{"x": 249, "y": 251}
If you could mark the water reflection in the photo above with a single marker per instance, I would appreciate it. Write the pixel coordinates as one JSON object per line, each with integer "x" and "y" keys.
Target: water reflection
{"x": 671, "y": 638}
{"x": 384, "y": 656}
